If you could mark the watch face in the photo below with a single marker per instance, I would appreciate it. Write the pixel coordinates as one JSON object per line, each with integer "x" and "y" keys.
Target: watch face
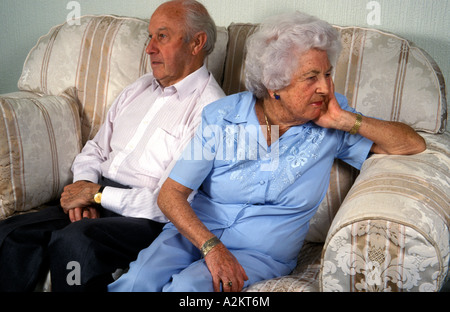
{"x": 98, "y": 198}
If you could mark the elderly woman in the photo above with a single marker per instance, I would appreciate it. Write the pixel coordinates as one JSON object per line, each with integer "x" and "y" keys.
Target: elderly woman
{"x": 261, "y": 163}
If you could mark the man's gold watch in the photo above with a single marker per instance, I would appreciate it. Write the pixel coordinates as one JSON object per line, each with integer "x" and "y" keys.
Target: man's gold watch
{"x": 98, "y": 195}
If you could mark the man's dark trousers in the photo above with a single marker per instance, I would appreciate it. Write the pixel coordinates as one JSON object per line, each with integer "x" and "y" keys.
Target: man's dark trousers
{"x": 81, "y": 255}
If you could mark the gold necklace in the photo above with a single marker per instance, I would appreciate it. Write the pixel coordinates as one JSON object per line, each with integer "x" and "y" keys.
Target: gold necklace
{"x": 268, "y": 126}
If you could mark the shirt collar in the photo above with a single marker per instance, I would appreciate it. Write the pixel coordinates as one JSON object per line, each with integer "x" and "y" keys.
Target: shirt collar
{"x": 242, "y": 112}
{"x": 245, "y": 113}
{"x": 188, "y": 85}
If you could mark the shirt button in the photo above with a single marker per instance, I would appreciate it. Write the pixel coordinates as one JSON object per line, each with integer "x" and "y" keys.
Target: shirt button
{"x": 262, "y": 182}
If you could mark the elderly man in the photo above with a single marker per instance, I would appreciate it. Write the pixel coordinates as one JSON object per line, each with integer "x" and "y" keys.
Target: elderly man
{"x": 110, "y": 212}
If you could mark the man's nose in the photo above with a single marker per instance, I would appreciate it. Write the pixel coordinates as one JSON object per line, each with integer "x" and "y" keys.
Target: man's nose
{"x": 151, "y": 47}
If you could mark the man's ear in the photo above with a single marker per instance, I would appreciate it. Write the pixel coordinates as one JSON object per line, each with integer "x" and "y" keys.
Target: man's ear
{"x": 198, "y": 42}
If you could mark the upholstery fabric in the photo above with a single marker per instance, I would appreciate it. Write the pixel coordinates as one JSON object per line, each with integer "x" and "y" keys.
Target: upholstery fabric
{"x": 234, "y": 78}
{"x": 392, "y": 231}
{"x": 100, "y": 56}
{"x": 341, "y": 180}
{"x": 39, "y": 138}
{"x": 97, "y": 55}
{"x": 372, "y": 60}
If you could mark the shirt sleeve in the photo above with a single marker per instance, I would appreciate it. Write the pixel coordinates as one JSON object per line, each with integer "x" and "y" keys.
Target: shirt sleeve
{"x": 353, "y": 149}
{"x": 197, "y": 159}
{"x": 135, "y": 202}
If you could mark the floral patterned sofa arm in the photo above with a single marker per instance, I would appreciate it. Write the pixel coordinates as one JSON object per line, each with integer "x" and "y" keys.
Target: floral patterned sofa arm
{"x": 392, "y": 231}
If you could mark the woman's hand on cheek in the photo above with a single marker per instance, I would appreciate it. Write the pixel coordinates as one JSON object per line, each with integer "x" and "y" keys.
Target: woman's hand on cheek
{"x": 332, "y": 115}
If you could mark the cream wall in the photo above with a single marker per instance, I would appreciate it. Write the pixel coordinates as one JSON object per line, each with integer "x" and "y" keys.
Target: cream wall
{"x": 425, "y": 22}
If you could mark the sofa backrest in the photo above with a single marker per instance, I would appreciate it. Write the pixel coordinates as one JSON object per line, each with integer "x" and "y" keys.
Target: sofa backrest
{"x": 100, "y": 56}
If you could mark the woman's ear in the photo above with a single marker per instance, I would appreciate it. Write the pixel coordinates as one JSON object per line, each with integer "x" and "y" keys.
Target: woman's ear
{"x": 274, "y": 95}
{"x": 198, "y": 42}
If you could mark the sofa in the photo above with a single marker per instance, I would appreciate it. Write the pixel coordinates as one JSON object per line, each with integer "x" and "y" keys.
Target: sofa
{"x": 383, "y": 228}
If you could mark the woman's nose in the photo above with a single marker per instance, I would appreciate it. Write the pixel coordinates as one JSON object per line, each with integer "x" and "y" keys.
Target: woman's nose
{"x": 323, "y": 86}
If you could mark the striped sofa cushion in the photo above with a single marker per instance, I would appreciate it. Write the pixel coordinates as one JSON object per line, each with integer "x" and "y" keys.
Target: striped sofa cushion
{"x": 99, "y": 56}
{"x": 37, "y": 149}
{"x": 342, "y": 177}
{"x": 388, "y": 77}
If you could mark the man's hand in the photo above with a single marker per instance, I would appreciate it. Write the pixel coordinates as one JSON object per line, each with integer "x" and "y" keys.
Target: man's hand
{"x": 77, "y": 200}
{"x": 76, "y": 214}
{"x": 224, "y": 269}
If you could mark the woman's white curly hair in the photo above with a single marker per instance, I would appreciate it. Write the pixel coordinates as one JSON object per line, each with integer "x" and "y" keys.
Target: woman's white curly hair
{"x": 273, "y": 50}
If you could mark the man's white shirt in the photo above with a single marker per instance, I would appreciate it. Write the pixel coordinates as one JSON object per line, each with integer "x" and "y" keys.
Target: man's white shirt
{"x": 145, "y": 131}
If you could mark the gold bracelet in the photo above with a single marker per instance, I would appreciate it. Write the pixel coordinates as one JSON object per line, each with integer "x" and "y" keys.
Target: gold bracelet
{"x": 357, "y": 124}
{"x": 208, "y": 245}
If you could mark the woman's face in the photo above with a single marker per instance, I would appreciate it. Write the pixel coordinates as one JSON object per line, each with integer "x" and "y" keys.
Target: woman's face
{"x": 308, "y": 92}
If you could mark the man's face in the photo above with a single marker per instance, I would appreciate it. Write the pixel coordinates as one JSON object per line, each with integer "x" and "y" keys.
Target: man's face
{"x": 170, "y": 55}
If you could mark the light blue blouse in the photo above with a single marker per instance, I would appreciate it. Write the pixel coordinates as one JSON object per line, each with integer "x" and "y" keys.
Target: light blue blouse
{"x": 267, "y": 195}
